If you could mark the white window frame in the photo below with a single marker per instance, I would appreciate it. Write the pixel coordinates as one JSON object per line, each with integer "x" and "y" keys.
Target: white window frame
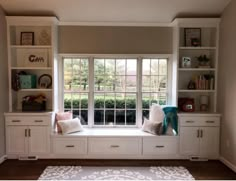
{"x": 91, "y": 57}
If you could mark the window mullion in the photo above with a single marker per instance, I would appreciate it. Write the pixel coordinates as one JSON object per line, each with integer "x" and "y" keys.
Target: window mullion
{"x": 139, "y": 112}
{"x": 91, "y": 93}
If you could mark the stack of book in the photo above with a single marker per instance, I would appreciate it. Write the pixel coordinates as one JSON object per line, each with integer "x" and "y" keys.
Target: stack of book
{"x": 204, "y": 82}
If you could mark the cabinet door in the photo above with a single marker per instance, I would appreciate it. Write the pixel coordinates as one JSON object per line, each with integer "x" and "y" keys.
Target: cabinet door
{"x": 38, "y": 140}
{"x": 16, "y": 140}
{"x": 209, "y": 142}
{"x": 189, "y": 141}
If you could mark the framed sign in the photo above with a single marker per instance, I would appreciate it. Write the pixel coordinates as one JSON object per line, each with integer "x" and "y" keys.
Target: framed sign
{"x": 192, "y": 37}
{"x": 27, "y": 38}
{"x": 32, "y": 57}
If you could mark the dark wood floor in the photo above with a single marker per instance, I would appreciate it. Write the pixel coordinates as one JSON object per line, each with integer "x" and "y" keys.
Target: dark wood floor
{"x": 31, "y": 170}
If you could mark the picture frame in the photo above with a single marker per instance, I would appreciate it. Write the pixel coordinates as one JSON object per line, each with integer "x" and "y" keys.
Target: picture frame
{"x": 45, "y": 81}
{"x": 27, "y": 38}
{"x": 186, "y": 62}
{"x": 192, "y": 37}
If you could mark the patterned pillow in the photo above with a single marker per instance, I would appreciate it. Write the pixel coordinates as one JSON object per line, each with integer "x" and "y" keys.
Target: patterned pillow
{"x": 62, "y": 116}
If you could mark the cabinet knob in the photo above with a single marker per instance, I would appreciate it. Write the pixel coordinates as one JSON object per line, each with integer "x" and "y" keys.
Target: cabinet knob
{"x": 115, "y": 146}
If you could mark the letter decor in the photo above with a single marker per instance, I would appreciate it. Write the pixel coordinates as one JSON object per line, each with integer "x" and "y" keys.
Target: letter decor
{"x": 35, "y": 58}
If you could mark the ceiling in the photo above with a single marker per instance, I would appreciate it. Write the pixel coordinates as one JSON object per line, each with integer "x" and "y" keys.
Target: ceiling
{"x": 133, "y": 11}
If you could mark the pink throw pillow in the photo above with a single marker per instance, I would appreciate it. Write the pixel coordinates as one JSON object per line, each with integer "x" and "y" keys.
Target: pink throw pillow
{"x": 62, "y": 116}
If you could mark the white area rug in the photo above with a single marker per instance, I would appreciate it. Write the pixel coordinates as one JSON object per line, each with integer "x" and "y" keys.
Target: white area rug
{"x": 115, "y": 173}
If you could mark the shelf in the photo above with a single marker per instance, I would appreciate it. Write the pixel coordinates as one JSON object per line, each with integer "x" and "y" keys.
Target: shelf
{"x": 196, "y": 91}
{"x": 31, "y": 46}
{"x": 31, "y": 68}
{"x": 197, "y": 69}
{"x": 35, "y": 90}
{"x": 197, "y": 48}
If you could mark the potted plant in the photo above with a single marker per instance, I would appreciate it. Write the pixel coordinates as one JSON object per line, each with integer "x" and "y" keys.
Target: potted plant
{"x": 203, "y": 61}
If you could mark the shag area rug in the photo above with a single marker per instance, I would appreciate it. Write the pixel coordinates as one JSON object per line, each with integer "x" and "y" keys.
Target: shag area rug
{"x": 115, "y": 173}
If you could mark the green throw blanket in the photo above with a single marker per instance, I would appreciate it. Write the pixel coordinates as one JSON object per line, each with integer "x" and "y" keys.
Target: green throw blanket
{"x": 170, "y": 118}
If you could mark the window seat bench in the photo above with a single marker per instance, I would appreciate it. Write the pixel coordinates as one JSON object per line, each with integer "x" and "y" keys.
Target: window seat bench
{"x": 114, "y": 143}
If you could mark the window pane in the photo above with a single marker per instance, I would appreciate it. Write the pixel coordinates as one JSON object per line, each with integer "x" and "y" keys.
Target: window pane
{"x": 76, "y": 113}
{"x": 131, "y": 83}
{"x": 110, "y": 101}
{"x": 84, "y": 66}
{"x": 131, "y": 101}
{"x": 76, "y": 66}
{"x": 67, "y": 81}
{"x": 68, "y": 65}
{"x": 75, "y": 84}
{"x": 154, "y": 99}
{"x": 155, "y": 67}
{"x": 99, "y": 117}
{"x": 84, "y": 83}
{"x": 130, "y": 117}
{"x": 131, "y": 66}
{"x": 146, "y": 114}
{"x": 162, "y": 83}
{"x": 76, "y": 101}
{"x": 109, "y": 83}
{"x": 99, "y": 100}
{"x": 120, "y": 66}
{"x": 99, "y": 67}
{"x": 67, "y": 101}
{"x": 163, "y": 99}
{"x": 145, "y": 100}
{"x": 154, "y": 83}
{"x": 163, "y": 66}
{"x": 120, "y": 84}
{"x": 84, "y": 117}
{"x": 99, "y": 83}
{"x": 109, "y": 117}
{"x": 110, "y": 66}
{"x": 120, "y": 117}
{"x": 146, "y": 66}
{"x": 120, "y": 101}
{"x": 84, "y": 101}
{"x": 146, "y": 83}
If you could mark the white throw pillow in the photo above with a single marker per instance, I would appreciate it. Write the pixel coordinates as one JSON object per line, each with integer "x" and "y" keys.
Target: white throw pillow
{"x": 156, "y": 113}
{"x": 152, "y": 127}
{"x": 70, "y": 126}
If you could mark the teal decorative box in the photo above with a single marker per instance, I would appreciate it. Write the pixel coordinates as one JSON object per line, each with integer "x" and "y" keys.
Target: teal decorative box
{"x": 28, "y": 81}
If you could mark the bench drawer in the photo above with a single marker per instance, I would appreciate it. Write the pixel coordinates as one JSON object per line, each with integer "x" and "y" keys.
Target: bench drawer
{"x": 200, "y": 121}
{"x": 70, "y": 146}
{"x": 160, "y": 145}
{"x": 28, "y": 120}
{"x": 116, "y": 146}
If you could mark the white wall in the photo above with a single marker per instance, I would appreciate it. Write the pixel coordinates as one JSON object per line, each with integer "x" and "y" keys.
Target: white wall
{"x": 3, "y": 79}
{"x": 227, "y": 83}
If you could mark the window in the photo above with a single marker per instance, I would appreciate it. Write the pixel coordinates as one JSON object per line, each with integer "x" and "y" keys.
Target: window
{"x": 114, "y": 91}
{"x": 76, "y": 87}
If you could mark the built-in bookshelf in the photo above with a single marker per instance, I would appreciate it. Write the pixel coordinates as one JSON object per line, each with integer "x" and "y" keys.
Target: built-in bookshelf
{"x": 32, "y": 51}
{"x": 196, "y": 58}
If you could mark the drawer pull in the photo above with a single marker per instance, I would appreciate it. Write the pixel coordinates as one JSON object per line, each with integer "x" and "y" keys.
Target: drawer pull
{"x": 15, "y": 121}
{"x": 38, "y": 121}
{"x": 160, "y": 146}
{"x": 70, "y": 146}
{"x": 26, "y": 133}
{"x": 190, "y": 121}
{"x": 210, "y": 121}
{"x": 115, "y": 146}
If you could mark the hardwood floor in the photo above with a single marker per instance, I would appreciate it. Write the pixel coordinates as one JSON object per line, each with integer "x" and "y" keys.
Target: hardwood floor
{"x": 31, "y": 170}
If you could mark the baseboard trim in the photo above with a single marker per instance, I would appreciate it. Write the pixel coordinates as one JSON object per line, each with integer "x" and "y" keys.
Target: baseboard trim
{"x": 228, "y": 164}
{"x": 3, "y": 158}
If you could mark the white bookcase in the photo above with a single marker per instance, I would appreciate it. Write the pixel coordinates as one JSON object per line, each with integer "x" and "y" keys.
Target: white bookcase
{"x": 44, "y": 31}
{"x": 204, "y": 77}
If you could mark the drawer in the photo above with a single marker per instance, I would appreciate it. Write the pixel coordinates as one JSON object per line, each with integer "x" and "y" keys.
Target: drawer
{"x": 116, "y": 146}
{"x": 70, "y": 146}
{"x": 200, "y": 121}
{"x": 160, "y": 145}
{"x": 27, "y": 120}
